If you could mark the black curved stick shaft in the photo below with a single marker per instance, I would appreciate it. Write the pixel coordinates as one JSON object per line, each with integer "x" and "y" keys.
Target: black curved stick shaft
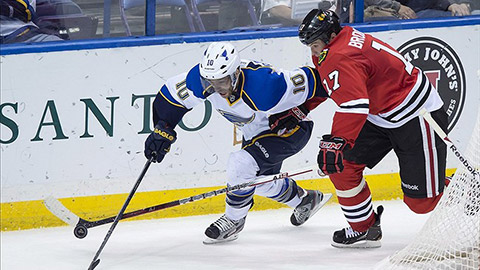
{"x": 95, "y": 260}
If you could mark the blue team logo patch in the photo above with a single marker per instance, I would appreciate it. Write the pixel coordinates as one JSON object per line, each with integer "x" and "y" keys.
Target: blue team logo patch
{"x": 235, "y": 119}
{"x": 444, "y": 70}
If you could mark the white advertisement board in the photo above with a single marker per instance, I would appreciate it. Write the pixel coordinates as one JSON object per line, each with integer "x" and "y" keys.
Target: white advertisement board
{"x": 74, "y": 123}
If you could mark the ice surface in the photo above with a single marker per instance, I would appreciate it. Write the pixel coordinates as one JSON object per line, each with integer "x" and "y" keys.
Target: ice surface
{"x": 268, "y": 241}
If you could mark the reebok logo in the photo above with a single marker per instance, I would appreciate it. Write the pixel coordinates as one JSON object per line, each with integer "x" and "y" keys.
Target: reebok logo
{"x": 408, "y": 186}
{"x": 465, "y": 163}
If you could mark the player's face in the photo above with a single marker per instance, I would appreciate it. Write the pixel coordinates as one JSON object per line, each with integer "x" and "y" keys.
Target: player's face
{"x": 317, "y": 47}
{"x": 222, "y": 86}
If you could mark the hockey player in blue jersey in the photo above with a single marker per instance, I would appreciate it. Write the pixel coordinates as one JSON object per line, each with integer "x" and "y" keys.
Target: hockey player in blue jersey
{"x": 246, "y": 93}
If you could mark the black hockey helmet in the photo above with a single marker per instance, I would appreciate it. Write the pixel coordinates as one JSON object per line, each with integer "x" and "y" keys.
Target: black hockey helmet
{"x": 318, "y": 24}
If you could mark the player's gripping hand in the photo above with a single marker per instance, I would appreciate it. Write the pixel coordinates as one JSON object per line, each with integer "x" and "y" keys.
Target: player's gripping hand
{"x": 18, "y": 9}
{"x": 159, "y": 141}
{"x": 287, "y": 120}
{"x": 330, "y": 156}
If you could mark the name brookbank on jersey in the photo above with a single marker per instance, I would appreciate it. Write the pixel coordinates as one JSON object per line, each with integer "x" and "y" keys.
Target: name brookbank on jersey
{"x": 444, "y": 70}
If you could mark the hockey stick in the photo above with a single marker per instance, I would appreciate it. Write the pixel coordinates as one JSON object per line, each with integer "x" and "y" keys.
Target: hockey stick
{"x": 96, "y": 260}
{"x": 82, "y": 225}
{"x": 428, "y": 117}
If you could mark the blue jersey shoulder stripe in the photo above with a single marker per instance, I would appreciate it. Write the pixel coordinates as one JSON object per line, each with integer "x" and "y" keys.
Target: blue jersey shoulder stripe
{"x": 262, "y": 88}
{"x": 314, "y": 83}
{"x": 194, "y": 82}
{"x": 243, "y": 95}
{"x": 249, "y": 101}
{"x": 168, "y": 97}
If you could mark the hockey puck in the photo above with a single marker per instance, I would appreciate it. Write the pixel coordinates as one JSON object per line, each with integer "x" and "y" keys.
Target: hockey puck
{"x": 80, "y": 231}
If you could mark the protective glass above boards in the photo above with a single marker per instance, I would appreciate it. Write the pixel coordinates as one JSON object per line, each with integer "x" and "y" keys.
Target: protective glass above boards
{"x": 27, "y": 21}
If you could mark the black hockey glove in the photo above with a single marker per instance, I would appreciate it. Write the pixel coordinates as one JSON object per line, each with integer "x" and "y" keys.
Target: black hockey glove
{"x": 330, "y": 156}
{"x": 159, "y": 141}
{"x": 17, "y": 9}
{"x": 287, "y": 120}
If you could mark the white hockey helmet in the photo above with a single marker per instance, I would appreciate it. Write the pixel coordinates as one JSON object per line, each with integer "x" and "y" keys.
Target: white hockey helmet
{"x": 220, "y": 60}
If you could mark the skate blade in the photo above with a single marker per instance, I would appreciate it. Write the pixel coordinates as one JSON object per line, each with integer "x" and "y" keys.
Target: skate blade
{"x": 325, "y": 199}
{"x": 360, "y": 244}
{"x": 210, "y": 241}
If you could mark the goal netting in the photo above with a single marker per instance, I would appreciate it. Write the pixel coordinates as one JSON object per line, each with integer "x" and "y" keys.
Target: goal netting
{"x": 450, "y": 239}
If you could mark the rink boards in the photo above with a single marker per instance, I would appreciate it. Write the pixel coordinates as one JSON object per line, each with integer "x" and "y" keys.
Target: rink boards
{"x": 74, "y": 122}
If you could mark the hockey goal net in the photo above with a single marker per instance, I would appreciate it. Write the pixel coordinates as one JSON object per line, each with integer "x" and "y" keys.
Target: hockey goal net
{"x": 450, "y": 239}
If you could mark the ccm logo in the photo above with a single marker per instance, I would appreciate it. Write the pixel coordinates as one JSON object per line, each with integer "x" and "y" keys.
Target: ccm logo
{"x": 331, "y": 145}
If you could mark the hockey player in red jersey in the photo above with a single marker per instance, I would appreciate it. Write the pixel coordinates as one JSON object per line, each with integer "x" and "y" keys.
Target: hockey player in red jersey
{"x": 379, "y": 95}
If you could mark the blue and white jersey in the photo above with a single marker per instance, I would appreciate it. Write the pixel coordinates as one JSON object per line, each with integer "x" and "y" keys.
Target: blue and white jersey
{"x": 261, "y": 91}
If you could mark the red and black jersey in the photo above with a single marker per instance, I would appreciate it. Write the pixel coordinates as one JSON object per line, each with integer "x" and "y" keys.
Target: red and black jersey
{"x": 368, "y": 78}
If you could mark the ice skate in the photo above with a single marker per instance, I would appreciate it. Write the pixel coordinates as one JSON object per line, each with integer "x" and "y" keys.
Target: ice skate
{"x": 310, "y": 204}
{"x": 348, "y": 238}
{"x": 223, "y": 230}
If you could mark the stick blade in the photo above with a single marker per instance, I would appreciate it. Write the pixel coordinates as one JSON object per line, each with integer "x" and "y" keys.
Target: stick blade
{"x": 59, "y": 210}
{"x": 94, "y": 264}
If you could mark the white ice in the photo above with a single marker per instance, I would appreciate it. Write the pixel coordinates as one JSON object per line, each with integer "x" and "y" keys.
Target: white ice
{"x": 268, "y": 241}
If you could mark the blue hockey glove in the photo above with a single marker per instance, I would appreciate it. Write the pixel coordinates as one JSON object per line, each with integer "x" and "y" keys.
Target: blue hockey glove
{"x": 330, "y": 156}
{"x": 159, "y": 141}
